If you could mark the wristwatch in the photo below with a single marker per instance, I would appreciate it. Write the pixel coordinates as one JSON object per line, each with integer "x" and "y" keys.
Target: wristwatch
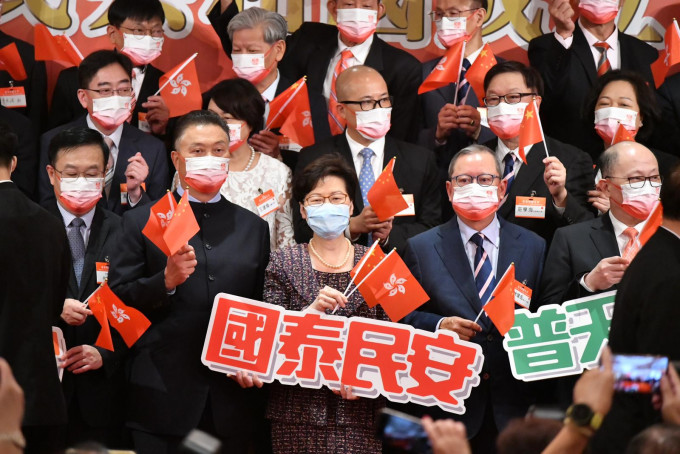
{"x": 583, "y": 418}
{"x": 16, "y": 438}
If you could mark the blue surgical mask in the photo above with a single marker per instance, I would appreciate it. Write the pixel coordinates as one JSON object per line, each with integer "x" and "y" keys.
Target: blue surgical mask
{"x": 327, "y": 220}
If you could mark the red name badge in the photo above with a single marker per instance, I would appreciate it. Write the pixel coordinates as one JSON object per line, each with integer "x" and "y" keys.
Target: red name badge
{"x": 266, "y": 203}
{"x": 13, "y": 97}
{"x": 530, "y": 207}
{"x": 102, "y": 271}
{"x": 142, "y": 124}
{"x": 522, "y": 295}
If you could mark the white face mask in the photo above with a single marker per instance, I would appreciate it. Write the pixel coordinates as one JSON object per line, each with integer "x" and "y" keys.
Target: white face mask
{"x": 451, "y": 30}
{"x": 607, "y": 122}
{"x": 142, "y": 50}
{"x": 357, "y": 24}
{"x": 80, "y": 195}
{"x": 206, "y": 174}
{"x": 639, "y": 202}
{"x": 249, "y": 67}
{"x": 111, "y": 112}
{"x": 505, "y": 119}
{"x": 374, "y": 124}
{"x": 235, "y": 141}
{"x": 474, "y": 202}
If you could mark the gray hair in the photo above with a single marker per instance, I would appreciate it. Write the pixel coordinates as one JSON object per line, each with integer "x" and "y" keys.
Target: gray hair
{"x": 474, "y": 149}
{"x": 274, "y": 26}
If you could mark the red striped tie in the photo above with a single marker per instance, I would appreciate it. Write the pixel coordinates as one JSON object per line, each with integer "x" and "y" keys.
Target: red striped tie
{"x": 603, "y": 65}
{"x": 337, "y": 124}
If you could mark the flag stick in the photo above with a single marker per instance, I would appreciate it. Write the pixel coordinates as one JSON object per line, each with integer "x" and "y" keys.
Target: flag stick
{"x": 540, "y": 125}
{"x": 501, "y": 280}
{"x": 462, "y": 56}
{"x": 360, "y": 265}
{"x": 179, "y": 70}
{"x": 269, "y": 123}
{"x": 371, "y": 272}
{"x": 617, "y": 131}
{"x": 68, "y": 38}
{"x": 92, "y": 294}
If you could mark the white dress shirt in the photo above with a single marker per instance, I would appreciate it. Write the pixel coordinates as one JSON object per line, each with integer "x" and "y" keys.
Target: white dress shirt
{"x": 613, "y": 53}
{"x": 138, "y": 74}
{"x": 502, "y": 150}
{"x": 115, "y": 138}
{"x": 270, "y": 93}
{"x": 87, "y": 219}
{"x": 378, "y": 148}
{"x": 191, "y": 198}
{"x": 359, "y": 54}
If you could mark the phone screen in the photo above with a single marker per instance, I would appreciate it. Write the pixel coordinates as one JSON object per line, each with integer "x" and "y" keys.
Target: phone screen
{"x": 638, "y": 373}
{"x": 402, "y": 433}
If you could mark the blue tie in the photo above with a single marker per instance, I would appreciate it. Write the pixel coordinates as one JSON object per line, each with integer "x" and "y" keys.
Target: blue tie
{"x": 77, "y": 244}
{"x": 366, "y": 176}
{"x": 463, "y": 85}
{"x": 484, "y": 278}
{"x": 509, "y": 170}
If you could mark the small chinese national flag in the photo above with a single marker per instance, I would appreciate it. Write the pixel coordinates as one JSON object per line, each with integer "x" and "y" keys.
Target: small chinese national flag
{"x": 10, "y": 61}
{"x": 128, "y": 321}
{"x": 182, "y": 227}
{"x": 622, "y": 135}
{"x": 55, "y": 48}
{"x": 180, "y": 88}
{"x": 530, "y": 131}
{"x": 160, "y": 216}
{"x": 394, "y": 287}
{"x": 384, "y": 196}
{"x": 653, "y": 223}
{"x": 477, "y": 71}
{"x": 99, "y": 311}
{"x": 291, "y": 113}
{"x": 369, "y": 261}
{"x": 669, "y": 57}
{"x": 447, "y": 70}
{"x": 501, "y": 306}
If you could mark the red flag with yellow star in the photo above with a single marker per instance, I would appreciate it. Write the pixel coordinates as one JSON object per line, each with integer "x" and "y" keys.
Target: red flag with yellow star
{"x": 384, "y": 196}
{"x": 182, "y": 227}
{"x": 622, "y": 135}
{"x": 501, "y": 306}
{"x": 477, "y": 71}
{"x": 530, "y": 131}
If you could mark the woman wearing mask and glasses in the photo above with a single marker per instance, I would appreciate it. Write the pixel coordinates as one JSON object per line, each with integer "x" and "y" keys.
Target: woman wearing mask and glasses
{"x": 312, "y": 277}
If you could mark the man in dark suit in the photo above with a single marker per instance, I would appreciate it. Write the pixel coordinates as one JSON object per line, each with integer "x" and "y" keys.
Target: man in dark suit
{"x": 667, "y": 136}
{"x": 363, "y": 93}
{"x": 24, "y": 175}
{"x": 560, "y": 181}
{"x": 590, "y": 257}
{"x": 35, "y": 85}
{"x": 646, "y": 314}
{"x": 170, "y": 391}
{"x": 570, "y": 61}
{"x": 136, "y": 158}
{"x": 316, "y": 50}
{"x": 458, "y": 264}
{"x": 93, "y": 377}
{"x": 131, "y": 23}
{"x": 35, "y": 269}
{"x": 259, "y": 31}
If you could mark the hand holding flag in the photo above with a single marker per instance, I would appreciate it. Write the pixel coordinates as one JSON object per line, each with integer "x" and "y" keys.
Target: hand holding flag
{"x": 384, "y": 196}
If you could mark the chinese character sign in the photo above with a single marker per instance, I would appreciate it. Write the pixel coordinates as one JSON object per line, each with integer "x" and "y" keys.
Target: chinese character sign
{"x": 312, "y": 350}
{"x": 559, "y": 340}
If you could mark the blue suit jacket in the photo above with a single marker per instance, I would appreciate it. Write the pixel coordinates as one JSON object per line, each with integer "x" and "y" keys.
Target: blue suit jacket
{"x": 437, "y": 259}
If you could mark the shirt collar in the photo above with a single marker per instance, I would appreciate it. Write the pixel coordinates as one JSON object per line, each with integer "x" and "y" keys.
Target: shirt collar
{"x": 491, "y": 232}
{"x": 360, "y": 51}
{"x": 473, "y": 56}
{"x": 613, "y": 39}
{"x": 619, "y": 226}
{"x": 503, "y": 150}
{"x": 67, "y": 216}
{"x": 5, "y": 181}
{"x": 115, "y": 135}
{"x": 270, "y": 92}
{"x": 191, "y": 198}
{"x": 378, "y": 146}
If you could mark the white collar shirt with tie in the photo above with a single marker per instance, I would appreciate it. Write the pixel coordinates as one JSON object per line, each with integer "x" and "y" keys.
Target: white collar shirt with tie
{"x": 378, "y": 148}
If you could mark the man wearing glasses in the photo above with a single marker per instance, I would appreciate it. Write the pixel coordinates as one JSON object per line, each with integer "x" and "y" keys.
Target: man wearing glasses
{"x": 135, "y": 29}
{"x": 546, "y": 192}
{"x": 459, "y": 264}
{"x": 592, "y": 256}
{"x": 137, "y": 169}
{"x": 366, "y": 106}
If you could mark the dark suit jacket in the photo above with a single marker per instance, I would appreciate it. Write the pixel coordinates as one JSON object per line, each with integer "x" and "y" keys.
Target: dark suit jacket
{"x": 529, "y": 180}
{"x": 570, "y": 75}
{"x": 96, "y": 394}
{"x": 220, "y": 22}
{"x": 66, "y": 107}
{"x": 415, "y": 173}
{"x": 667, "y": 134}
{"x": 437, "y": 259}
{"x": 26, "y": 152}
{"x": 646, "y": 314}
{"x": 169, "y": 386}
{"x": 35, "y": 263}
{"x": 310, "y": 49}
{"x": 35, "y": 85}
{"x": 132, "y": 141}
{"x": 576, "y": 250}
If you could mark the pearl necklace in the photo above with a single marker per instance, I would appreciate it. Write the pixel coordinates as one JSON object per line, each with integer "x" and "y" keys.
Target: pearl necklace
{"x": 325, "y": 263}
{"x": 250, "y": 161}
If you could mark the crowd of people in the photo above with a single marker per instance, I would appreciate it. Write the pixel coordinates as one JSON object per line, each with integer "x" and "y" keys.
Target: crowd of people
{"x": 108, "y": 150}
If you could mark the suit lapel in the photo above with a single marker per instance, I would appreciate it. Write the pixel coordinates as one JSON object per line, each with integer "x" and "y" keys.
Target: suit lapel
{"x": 374, "y": 59}
{"x": 98, "y": 233}
{"x": 603, "y": 237}
{"x": 584, "y": 54}
{"x": 452, "y": 253}
{"x": 318, "y": 67}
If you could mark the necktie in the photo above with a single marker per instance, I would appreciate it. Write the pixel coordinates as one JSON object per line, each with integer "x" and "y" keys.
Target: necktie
{"x": 77, "y": 244}
{"x": 484, "y": 278}
{"x": 633, "y": 245}
{"x": 603, "y": 65}
{"x": 463, "y": 85}
{"x": 110, "y": 165}
{"x": 366, "y": 176}
{"x": 337, "y": 124}
{"x": 509, "y": 170}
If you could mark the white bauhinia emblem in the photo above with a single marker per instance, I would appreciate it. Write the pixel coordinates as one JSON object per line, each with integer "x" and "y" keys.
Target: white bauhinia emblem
{"x": 395, "y": 285}
{"x": 179, "y": 85}
{"x": 165, "y": 218}
{"x": 119, "y": 314}
{"x": 440, "y": 65}
{"x": 308, "y": 118}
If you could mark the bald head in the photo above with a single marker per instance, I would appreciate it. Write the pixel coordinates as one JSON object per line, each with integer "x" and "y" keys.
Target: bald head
{"x": 628, "y": 159}
{"x": 358, "y": 82}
